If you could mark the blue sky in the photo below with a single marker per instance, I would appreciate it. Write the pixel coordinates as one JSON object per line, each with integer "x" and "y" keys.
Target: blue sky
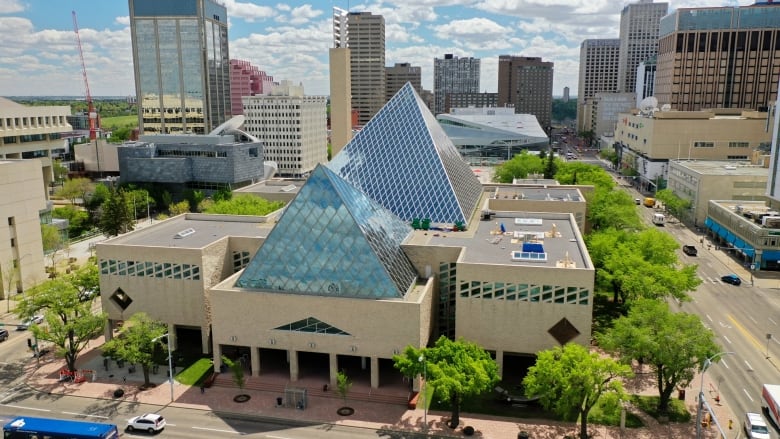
{"x": 290, "y": 39}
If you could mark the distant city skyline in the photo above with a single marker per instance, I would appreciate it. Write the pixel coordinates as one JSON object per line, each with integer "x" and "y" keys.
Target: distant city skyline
{"x": 290, "y": 40}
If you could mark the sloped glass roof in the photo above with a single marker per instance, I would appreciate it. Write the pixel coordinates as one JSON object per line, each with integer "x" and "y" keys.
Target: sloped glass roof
{"x": 332, "y": 240}
{"x": 310, "y": 324}
{"x": 403, "y": 159}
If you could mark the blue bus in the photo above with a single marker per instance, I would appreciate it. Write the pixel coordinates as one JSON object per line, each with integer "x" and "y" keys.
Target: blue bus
{"x": 25, "y": 427}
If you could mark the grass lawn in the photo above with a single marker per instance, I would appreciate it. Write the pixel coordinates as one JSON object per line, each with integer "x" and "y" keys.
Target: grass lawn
{"x": 196, "y": 372}
{"x": 649, "y": 404}
{"x": 119, "y": 121}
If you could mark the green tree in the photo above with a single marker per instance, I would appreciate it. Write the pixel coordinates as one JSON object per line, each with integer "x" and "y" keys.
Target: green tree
{"x": 570, "y": 380}
{"x": 674, "y": 344}
{"x": 455, "y": 369}
{"x": 60, "y": 171}
{"x": 645, "y": 265}
{"x": 9, "y": 277}
{"x": 95, "y": 201}
{"x": 179, "y": 208}
{"x": 576, "y": 172}
{"x": 343, "y": 384}
{"x": 588, "y": 136}
{"x": 609, "y": 208}
{"x": 194, "y": 197}
{"x": 70, "y": 323}
{"x": 224, "y": 194}
{"x": 116, "y": 218}
{"x": 52, "y": 240}
{"x": 78, "y": 220}
{"x": 520, "y": 166}
{"x": 74, "y": 189}
{"x": 550, "y": 166}
{"x": 237, "y": 370}
{"x": 674, "y": 204}
{"x": 136, "y": 342}
{"x": 86, "y": 279}
{"x": 244, "y": 204}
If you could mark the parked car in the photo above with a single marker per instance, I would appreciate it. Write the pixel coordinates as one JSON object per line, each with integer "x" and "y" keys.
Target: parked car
{"x": 690, "y": 250}
{"x": 34, "y": 320}
{"x": 755, "y": 426}
{"x": 3, "y": 334}
{"x": 151, "y": 422}
{"x": 732, "y": 279}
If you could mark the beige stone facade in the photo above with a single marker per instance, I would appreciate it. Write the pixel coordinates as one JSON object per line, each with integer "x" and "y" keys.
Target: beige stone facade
{"x": 481, "y": 284}
{"x": 21, "y": 248}
{"x": 702, "y": 181}
{"x": 646, "y": 143}
{"x": 32, "y": 132}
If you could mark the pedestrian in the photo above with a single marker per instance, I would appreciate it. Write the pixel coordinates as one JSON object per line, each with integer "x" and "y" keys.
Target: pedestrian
{"x": 202, "y": 389}
{"x": 124, "y": 380}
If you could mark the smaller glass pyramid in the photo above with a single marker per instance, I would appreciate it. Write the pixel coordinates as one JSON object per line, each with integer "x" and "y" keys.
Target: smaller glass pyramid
{"x": 332, "y": 240}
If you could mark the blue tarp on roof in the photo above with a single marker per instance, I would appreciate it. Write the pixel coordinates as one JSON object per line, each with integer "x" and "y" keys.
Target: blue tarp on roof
{"x": 533, "y": 247}
{"x": 708, "y": 222}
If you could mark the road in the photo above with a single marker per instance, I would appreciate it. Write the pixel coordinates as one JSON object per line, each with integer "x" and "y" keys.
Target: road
{"x": 17, "y": 398}
{"x": 741, "y": 317}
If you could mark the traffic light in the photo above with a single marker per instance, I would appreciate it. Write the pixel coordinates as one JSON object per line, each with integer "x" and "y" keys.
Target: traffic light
{"x": 29, "y": 343}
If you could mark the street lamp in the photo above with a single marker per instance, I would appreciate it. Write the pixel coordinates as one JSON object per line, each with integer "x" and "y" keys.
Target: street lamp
{"x": 704, "y": 368}
{"x": 424, "y": 391}
{"x": 170, "y": 363}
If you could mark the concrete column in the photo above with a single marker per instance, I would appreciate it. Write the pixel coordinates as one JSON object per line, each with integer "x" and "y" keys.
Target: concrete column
{"x": 172, "y": 336}
{"x": 500, "y": 362}
{"x": 334, "y": 369}
{"x": 363, "y": 363}
{"x": 108, "y": 332}
{"x": 254, "y": 359}
{"x": 293, "y": 365}
{"x": 205, "y": 344}
{"x": 217, "y": 358}
{"x": 374, "y": 372}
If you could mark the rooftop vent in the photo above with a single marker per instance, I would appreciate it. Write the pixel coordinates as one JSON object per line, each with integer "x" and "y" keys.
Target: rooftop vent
{"x": 184, "y": 233}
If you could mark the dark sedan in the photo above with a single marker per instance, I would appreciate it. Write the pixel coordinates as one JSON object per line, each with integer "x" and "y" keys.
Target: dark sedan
{"x": 732, "y": 279}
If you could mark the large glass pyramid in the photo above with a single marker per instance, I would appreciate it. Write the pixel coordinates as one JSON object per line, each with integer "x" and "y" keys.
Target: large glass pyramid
{"x": 332, "y": 240}
{"x": 403, "y": 159}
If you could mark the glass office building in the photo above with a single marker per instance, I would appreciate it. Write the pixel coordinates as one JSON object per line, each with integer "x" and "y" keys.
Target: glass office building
{"x": 181, "y": 65}
{"x": 404, "y": 160}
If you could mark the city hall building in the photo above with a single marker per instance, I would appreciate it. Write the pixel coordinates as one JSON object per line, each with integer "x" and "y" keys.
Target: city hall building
{"x": 393, "y": 243}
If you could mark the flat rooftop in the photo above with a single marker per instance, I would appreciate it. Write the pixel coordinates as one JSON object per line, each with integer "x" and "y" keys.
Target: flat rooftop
{"x": 538, "y": 193}
{"x": 556, "y": 234}
{"x": 289, "y": 187}
{"x": 193, "y": 231}
{"x": 723, "y": 167}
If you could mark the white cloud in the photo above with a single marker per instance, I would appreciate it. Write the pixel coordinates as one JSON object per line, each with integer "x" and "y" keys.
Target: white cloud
{"x": 249, "y": 12}
{"x": 11, "y": 6}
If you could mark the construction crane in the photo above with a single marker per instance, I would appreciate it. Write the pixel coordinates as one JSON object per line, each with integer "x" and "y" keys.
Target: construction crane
{"x": 93, "y": 116}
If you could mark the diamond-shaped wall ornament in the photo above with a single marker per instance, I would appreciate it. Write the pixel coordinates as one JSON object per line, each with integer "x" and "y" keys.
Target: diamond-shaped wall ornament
{"x": 563, "y": 331}
{"x": 403, "y": 159}
{"x": 121, "y": 298}
{"x": 311, "y": 324}
{"x": 332, "y": 240}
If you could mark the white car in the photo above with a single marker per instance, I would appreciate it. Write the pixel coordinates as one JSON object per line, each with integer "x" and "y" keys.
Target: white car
{"x": 36, "y": 319}
{"x": 151, "y": 422}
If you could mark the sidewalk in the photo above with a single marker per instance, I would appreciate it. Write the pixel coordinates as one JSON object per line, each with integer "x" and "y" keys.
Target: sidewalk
{"x": 372, "y": 415}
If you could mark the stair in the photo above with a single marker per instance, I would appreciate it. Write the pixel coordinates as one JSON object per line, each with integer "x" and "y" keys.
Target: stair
{"x": 252, "y": 383}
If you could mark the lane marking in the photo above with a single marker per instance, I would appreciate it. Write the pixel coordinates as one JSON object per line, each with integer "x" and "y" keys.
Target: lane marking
{"x": 750, "y": 368}
{"x": 747, "y": 394}
{"x": 770, "y": 319}
{"x": 727, "y": 339}
{"x": 746, "y": 333}
{"x": 709, "y": 318}
{"x": 216, "y": 429}
{"x": 754, "y": 320}
{"x": 84, "y": 414}
{"x": 25, "y": 408}
{"x": 725, "y": 364}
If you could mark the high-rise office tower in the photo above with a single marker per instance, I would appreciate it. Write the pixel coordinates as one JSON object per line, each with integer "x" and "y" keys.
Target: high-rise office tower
{"x": 645, "y": 80}
{"x": 400, "y": 74}
{"x": 246, "y": 80}
{"x": 719, "y": 57}
{"x": 638, "y": 39}
{"x": 453, "y": 75}
{"x": 527, "y": 84}
{"x": 292, "y": 127}
{"x": 181, "y": 65}
{"x": 363, "y": 33}
{"x": 599, "y": 61}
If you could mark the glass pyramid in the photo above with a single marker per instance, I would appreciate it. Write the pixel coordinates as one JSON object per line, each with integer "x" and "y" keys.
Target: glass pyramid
{"x": 403, "y": 159}
{"x": 332, "y": 240}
